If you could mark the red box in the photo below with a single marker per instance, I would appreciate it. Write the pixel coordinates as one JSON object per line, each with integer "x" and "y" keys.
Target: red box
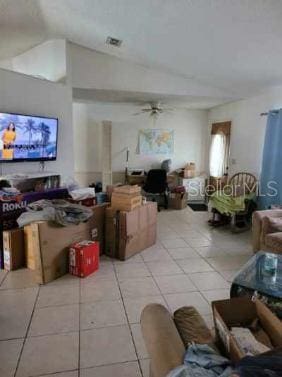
{"x": 84, "y": 258}
{"x": 89, "y": 202}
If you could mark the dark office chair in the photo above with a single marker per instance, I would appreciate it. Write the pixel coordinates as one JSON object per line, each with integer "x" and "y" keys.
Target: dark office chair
{"x": 156, "y": 185}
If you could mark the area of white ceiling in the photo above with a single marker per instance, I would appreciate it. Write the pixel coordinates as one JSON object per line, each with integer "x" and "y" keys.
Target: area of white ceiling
{"x": 229, "y": 44}
{"x": 141, "y": 99}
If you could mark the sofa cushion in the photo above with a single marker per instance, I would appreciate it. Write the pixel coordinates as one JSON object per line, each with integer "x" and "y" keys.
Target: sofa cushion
{"x": 192, "y": 327}
{"x": 274, "y": 225}
{"x": 273, "y": 242}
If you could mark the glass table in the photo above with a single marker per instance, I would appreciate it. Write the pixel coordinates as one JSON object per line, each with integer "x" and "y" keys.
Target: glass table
{"x": 261, "y": 276}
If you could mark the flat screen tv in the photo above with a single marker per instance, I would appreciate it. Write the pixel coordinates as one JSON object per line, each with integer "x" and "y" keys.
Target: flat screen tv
{"x": 27, "y": 138}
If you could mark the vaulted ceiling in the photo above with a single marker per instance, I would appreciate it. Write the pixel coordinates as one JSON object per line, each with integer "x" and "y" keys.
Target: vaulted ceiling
{"x": 229, "y": 44}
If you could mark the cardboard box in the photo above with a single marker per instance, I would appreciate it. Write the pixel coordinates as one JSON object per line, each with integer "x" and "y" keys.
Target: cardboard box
{"x": 49, "y": 244}
{"x": 29, "y": 248}
{"x": 134, "y": 190}
{"x": 98, "y": 225}
{"x": 13, "y": 245}
{"x": 111, "y": 232}
{"x": 241, "y": 311}
{"x": 178, "y": 200}
{"x": 89, "y": 202}
{"x": 190, "y": 170}
{"x": 122, "y": 202}
{"x": 84, "y": 258}
{"x": 110, "y": 190}
{"x": 128, "y": 233}
{"x": 11, "y": 209}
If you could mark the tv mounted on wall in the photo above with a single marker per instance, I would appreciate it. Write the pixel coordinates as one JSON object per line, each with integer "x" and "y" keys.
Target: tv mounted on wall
{"x": 27, "y": 138}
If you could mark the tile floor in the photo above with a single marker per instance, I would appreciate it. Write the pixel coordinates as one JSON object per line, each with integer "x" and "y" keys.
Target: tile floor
{"x": 90, "y": 327}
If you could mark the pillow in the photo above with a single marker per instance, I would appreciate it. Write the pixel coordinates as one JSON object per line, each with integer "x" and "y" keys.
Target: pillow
{"x": 192, "y": 327}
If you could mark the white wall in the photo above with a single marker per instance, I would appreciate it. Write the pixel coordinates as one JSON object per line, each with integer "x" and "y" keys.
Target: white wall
{"x": 47, "y": 60}
{"x": 190, "y": 134}
{"x": 6, "y": 64}
{"x": 87, "y": 145}
{"x": 92, "y": 69}
{"x": 27, "y": 95}
{"x": 189, "y": 140}
{"x": 248, "y": 128}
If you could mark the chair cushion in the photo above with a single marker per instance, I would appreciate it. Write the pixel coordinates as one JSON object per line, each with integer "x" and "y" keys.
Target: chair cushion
{"x": 192, "y": 327}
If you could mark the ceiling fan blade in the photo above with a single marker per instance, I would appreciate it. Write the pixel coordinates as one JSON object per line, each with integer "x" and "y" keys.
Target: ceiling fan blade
{"x": 142, "y": 111}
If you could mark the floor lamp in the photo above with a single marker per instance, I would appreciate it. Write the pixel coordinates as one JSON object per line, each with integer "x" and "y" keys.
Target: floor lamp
{"x": 126, "y": 166}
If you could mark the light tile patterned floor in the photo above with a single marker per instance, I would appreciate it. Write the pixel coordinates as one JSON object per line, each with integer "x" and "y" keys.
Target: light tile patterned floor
{"x": 90, "y": 327}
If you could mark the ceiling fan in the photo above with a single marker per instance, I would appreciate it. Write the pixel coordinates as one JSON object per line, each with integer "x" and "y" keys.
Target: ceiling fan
{"x": 154, "y": 110}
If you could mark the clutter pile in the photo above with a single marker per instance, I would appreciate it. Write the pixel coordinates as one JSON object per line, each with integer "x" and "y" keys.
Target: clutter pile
{"x": 41, "y": 226}
{"x": 43, "y": 246}
{"x": 58, "y": 231}
{"x": 60, "y": 211}
{"x": 83, "y": 196}
{"x": 248, "y": 342}
{"x": 244, "y": 327}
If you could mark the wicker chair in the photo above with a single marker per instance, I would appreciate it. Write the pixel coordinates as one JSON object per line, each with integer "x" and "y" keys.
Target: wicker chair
{"x": 241, "y": 220}
{"x": 244, "y": 179}
{"x": 240, "y": 184}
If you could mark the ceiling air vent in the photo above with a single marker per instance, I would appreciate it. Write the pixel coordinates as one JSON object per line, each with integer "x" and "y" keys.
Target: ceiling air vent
{"x": 114, "y": 41}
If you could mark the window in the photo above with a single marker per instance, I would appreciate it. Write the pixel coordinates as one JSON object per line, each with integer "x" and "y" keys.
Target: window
{"x": 218, "y": 155}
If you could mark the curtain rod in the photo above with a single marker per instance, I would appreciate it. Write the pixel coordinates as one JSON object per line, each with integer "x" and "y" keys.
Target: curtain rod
{"x": 273, "y": 111}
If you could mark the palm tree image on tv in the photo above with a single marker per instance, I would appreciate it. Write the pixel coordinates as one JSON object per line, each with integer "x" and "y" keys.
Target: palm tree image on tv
{"x": 45, "y": 132}
{"x": 30, "y": 128}
{"x": 34, "y": 137}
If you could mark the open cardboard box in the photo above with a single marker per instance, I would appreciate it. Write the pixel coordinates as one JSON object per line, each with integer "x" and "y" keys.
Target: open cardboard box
{"x": 178, "y": 200}
{"x": 242, "y": 311}
{"x": 47, "y": 244}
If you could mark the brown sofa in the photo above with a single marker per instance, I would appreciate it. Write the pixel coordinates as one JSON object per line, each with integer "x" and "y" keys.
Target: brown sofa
{"x": 265, "y": 236}
{"x": 166, "y": 338}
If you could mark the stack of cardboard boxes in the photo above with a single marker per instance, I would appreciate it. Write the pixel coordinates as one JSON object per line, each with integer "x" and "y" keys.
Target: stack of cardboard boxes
{"x": 126, "y": 198}
{"x": 122, "y": 230}
{"x": 130, "y": 226}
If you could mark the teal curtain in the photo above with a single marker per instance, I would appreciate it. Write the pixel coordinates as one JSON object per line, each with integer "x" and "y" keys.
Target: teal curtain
{"x": 271, "y": 173}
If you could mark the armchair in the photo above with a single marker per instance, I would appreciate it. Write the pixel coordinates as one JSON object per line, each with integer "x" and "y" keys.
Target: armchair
{"x": 266, "y": 235}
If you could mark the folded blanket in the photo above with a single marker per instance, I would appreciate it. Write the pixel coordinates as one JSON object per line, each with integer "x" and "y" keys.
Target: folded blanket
{"x": 228, "y": 204}
{"x": 200, "y": 360}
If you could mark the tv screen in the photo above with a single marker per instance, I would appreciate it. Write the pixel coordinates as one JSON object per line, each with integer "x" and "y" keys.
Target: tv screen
{"x": 27, "y": 138}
